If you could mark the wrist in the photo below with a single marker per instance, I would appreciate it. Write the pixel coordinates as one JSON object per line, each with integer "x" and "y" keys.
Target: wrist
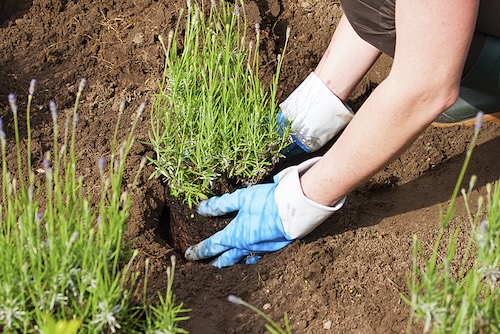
{"x": 316, "y": 113}
{"x": 299, "y": 214}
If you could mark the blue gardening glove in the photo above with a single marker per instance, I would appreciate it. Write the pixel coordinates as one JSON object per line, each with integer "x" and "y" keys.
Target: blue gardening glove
{"x": 270, "y": 216}
{"x": 316, "y": 116}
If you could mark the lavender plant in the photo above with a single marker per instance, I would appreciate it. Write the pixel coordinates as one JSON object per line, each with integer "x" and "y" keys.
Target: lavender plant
{"x": 466, "y": 302}
{"x": 64, "y": 260}
{"x": 271, "y": 326}
{"x": 213, "y": 119}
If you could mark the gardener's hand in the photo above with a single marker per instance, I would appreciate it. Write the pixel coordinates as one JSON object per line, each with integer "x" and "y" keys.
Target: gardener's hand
{"x": 270, "y": 216}
{"x": 316, "y": 116}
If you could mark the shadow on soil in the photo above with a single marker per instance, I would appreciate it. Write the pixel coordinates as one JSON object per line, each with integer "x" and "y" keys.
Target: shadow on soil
{"x": 369, "y": 206}
{"x": 11, "y": 10}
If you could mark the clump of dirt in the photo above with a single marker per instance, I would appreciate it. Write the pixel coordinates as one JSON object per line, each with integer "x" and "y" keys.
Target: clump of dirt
{"x": 344, "y": 277}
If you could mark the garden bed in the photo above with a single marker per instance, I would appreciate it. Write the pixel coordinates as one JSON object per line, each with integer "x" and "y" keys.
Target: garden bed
{"x": 347, "y": 275}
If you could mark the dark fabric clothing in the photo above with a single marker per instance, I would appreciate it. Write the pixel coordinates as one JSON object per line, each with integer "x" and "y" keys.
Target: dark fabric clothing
{"x": 374, "y": 21}
{"x": 488, "y": 18}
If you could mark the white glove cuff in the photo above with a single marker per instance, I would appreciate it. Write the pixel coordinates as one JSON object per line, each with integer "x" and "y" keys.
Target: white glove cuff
{"x": 299, "y": 214}
{"x": 316, "y": 114}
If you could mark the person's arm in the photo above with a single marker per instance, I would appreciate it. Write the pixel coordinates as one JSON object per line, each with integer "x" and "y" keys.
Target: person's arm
{"x": 433, "y": 39}
{"x": 346, "y": 60}
{"x": 316, "y": 109}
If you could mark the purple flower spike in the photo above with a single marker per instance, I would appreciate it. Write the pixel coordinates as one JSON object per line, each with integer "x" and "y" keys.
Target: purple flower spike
{"x": 237, "y": 10}
{"x": 83, "y": 83}
{"x": 32, "y": 87}
{"x": 75, "y": 118}
{"x": 12, "y": 102}
{"x": 39, "y": 217}
{"x": 46, "y": 166}
{"x": 31, "y": 190}
{"x": 257, "y": 28}
{"x": 479, "y": 121}
{"x": 101, "y": 164}
{"x": 2, "y": 134}
{"x": 141, "y": 108}
{"x": 235, "y": 300}
{"x": 53, "y": 109}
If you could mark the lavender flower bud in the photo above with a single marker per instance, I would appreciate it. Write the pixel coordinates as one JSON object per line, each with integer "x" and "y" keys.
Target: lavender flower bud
{"x": 479, "y": 121}
{"x": 75, "y": 118}
{"x": 101, "y": 164}
{"x": 30, "y": 193}
{"x": 53, "y": 109}
{"x": 39, "y": 217}
{"x": 235, "y": 300}
{"x": 482, "y": 233}
{"x": 74, "y": 237}
{"x": 144, "y": 160}
{"x": 12, "y": 102}
{"x": 83, "y": 83}
{"x": 31, "y": 90}
{"x": 472, "y": 182}
{"x": 483, "y": 227}
{"x": 122, "y": 152}
{"x": 141, "y": 108}
{"x": 46, "y": 166}
{"x": 123, "y": 198}
{"x": 2, "y": 134}
{"x": 257, "y": 28}
{"x": 121, "y": 108}
{"x": 237, "y": 10}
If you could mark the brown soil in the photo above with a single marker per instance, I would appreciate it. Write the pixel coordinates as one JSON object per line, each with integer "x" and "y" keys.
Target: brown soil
{"x": 348, "y": 274}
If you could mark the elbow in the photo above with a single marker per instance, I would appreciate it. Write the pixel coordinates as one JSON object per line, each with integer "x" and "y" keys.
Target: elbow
{"x": 434, "y": 100}
{"x": 425, "y": 99}
{"x": 446, "y": 98}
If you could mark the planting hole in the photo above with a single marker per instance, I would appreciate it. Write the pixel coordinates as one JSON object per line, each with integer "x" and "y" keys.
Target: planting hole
{"x": 182, "y": 227}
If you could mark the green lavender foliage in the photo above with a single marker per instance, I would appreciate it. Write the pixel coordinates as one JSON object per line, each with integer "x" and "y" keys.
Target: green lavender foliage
{"x": 466, "y": 302}
{"x": 64, "y": 264}
{"x": 213, "y": 118}
{"x": 271, "y": 326}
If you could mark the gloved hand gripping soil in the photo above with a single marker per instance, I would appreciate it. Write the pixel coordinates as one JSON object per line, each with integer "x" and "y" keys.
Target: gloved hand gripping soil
{"x": 270, "y": 216}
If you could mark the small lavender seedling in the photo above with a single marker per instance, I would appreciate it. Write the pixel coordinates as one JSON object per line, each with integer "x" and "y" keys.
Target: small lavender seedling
{"x": 465, "y": 301}
{"x": 213, "y": 119}
{"x": 271, "y": 325}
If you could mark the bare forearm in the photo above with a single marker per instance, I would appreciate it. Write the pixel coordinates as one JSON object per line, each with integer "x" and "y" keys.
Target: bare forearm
{"x": 424, "y": 81}
{"x": 380, "y": 131}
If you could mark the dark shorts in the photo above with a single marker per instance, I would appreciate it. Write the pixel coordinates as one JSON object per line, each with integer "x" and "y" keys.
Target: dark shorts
{"x": 374, "y": 21}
